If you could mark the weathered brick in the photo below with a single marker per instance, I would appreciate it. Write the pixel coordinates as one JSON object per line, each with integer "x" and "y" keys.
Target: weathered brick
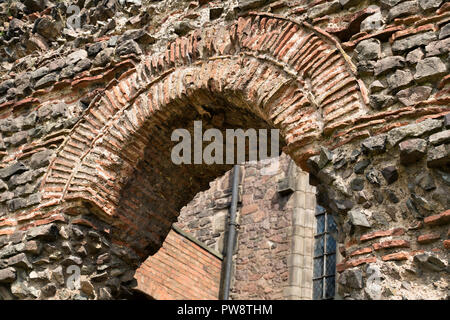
{"x": 438, "y": 219}
{"x": 391, "y": 244}
{"x": 398, "y": 256}
{"x": 427, "y": 238}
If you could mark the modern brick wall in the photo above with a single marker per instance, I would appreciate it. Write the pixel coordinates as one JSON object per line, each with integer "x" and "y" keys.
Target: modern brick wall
{"x": 181, "y": 269}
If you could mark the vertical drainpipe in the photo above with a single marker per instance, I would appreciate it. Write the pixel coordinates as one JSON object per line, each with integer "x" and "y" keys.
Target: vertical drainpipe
{"x": 231, "y": 233}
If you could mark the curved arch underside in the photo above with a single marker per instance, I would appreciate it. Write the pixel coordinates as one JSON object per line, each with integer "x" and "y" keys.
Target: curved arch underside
{"x": 274, "y": 72}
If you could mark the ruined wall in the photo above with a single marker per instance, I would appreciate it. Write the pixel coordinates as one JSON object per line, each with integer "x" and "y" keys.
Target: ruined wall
{"x": 84, "y": 115}
{"x": 393, "y": 211}
{"x": 181, "y": 269}
{"x": 276, "y": 224}
{"x": 264, "y": 225}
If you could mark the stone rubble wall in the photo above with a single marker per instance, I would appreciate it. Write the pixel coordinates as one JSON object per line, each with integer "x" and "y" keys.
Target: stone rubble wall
{"x": 386, "y": 74}
{"x": 391, "y": 201}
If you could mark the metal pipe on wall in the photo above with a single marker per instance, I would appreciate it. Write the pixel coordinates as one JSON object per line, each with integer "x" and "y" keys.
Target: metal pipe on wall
{"x": 231, "y": 233}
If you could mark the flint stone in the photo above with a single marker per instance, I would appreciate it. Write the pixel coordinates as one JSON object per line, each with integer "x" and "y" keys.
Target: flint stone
{"x": 362, "y": 197}
{"x": 99, "y": 277}
{"x": 425, "y": 181}
{"x": 39, "y": 73}
{"x": 366, "y": 67}
{"x": 325, "y": 157}
{"x": 49, "y": 290}
{"x": 76, "y": 56}
{"x": 20, "y": 261}
{"x": 436, "y": 48}
{"x": 342, "y": 206}
{"x": 7, "y": 275}
{"x": 48, "y": 28}
{"x": 368, "y": 50}
{"x": 361, "y": 166}
{"x": 5, "y": 85}
{"x": 414, "y": 56}
{"x": 429, "y": 262}
{"x": 87, "y": 287}
{"x": 67, "y": 72}
{"x": 390, "y": 174}
{"x": 8, "y": 251}
{"x": 357, "y": 184}
{"x": 373, "y": 22}
{"x": 46, "y": 232}
{"x": 374, "y": 177}
{"x": 128, "y": 47}
{"x": 57, "y": 275}
{"x": 412, "y": 150}
{"x": 413, "y": 130}
{"x": 3, "y": 186}
{"x": 447, "y": 121}
{"x": 313, "y": 163}
{"x": 388, "y": 63}
{"x": 82, "y": 65}
{"x": 440, "y": 137}
{"x": 392, "y": 197}
{"x": 390, "y": 3}
{"x": 138, "y": 35}
{"x": 56, "y": 65}
{"x": 411, "y": 42}
{"x": 17, "y": 138}
{"x": 40, "y": 159}
{"x": 32, "y": 247}
{"x": 399, "y": 79}
{"x": 46, "y": 80}
{"x": 72, "y": 260}
{"x": 19, "y": 179}
{"x": 352, "y": 278}
{"x": 376, "y": 86}
{"x": 445, "y": 31}
{"x": 429, "y": 4}
{"x": 403, "y": 9}
{"x": 422, "y": 203}
{"x": 324, "y": 9}
{"x": 429, "y": 68}
{"x": 95, "y": 48}
{"x": 358, "y": 218}
{"x": 374, "y": 145}
{"x": 439, "y": 156}
{"x": 413, "y": 95}
{"x": 182, "y": 28}
{"x": 104, "y": 57}
{"x": 381, "y": 101}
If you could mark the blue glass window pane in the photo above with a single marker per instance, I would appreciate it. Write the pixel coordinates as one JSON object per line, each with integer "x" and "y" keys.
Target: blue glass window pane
{"x": 318, "y": 246}
{"x": 318, "y": 289}
{"x": 330, "y": 265}
{"x": 331, "y": 224}
{"x": 320, "y": 210}
{"x": 329, "y": 287}
{"x": 320, "y": 224}
{"x": 318, "y": 267}
{"x": 331, "y": 244}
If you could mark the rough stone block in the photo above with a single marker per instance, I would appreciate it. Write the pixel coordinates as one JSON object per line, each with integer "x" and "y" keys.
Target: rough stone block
{"x": 412, "y": 150}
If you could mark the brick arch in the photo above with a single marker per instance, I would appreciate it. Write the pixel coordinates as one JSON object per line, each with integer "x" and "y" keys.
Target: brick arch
{"x": 285, "y": 73}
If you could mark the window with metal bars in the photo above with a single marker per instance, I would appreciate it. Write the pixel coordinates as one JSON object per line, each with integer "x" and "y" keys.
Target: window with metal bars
{"x": 324, "y": 272}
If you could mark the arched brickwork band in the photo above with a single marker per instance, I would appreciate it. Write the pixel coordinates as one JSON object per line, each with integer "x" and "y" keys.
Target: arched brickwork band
{"x": 288, "y": 74}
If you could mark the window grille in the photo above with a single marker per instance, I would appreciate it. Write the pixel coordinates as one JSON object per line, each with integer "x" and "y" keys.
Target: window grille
{"x": 324, "y": 272}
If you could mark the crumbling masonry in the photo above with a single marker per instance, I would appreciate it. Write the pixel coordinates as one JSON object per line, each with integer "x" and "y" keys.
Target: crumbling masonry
{"x": 358, "y": 89}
